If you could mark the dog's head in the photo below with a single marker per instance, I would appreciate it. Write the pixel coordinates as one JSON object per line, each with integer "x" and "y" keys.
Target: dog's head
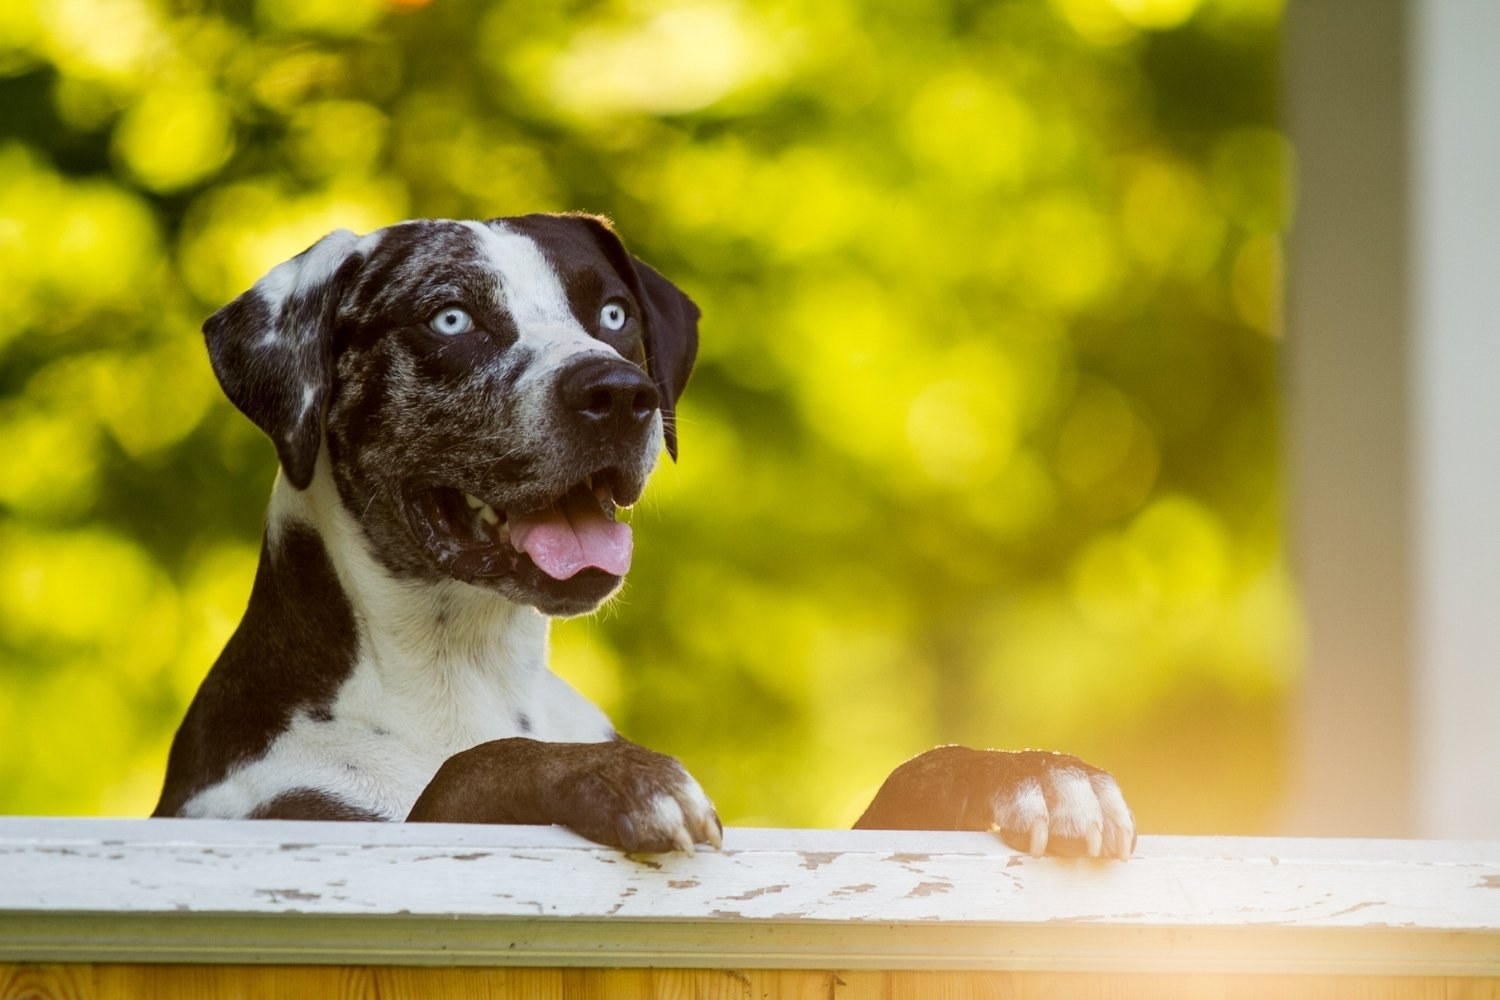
{"x": 488, "y": 392}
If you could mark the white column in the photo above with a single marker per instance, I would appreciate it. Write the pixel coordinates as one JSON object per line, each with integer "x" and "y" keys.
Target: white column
{"x": 1393, "y": 408}
{"x": 1455, "y": 224}
{"x": 1348, "y": 414}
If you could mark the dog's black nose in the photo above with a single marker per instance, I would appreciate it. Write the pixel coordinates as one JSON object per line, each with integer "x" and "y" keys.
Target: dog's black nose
{"x": 609, "y": 393}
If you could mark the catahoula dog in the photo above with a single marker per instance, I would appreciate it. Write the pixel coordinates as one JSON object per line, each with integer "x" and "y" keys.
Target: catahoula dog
{"x": 459, "y": 409}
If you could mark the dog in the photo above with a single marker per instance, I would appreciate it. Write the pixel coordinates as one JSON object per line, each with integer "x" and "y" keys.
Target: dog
{"x": 459, "y": 408}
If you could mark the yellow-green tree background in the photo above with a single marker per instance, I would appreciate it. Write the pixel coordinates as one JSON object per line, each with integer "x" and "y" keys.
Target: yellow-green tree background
{"x": 982, "y": 444}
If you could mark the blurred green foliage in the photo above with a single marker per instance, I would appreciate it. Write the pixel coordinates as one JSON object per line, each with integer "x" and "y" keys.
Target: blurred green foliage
{"x": 982, "y": 445}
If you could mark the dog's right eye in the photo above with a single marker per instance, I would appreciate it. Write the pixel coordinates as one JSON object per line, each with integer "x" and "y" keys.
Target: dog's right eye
{"x": 451, "y": 322}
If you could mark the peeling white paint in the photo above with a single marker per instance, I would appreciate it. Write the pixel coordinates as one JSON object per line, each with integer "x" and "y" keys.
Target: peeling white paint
{"x": 111, "y": 890}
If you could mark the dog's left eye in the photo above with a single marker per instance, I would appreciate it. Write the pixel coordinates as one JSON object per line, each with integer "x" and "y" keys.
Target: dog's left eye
{"x": 451, "y": 322}
{"x": 613, "y": 316}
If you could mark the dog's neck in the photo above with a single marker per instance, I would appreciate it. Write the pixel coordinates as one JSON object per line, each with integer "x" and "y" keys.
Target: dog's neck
{"x": 448, "y": 627}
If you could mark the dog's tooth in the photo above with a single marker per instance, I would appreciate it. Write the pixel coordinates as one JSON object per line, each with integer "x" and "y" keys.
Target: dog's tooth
{"x": 474, "y": 502}
{"x": 487, "y": 514}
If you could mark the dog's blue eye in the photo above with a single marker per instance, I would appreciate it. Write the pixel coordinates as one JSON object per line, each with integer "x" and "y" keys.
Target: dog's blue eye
{"x": 451, "y": 322}
{"x": 613, "y": 316}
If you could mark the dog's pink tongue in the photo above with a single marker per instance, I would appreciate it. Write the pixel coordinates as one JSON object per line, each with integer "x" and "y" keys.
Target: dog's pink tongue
{"x": 572, "y": 536}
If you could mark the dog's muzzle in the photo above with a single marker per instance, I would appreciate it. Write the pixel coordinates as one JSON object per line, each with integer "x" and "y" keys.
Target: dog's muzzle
{"x": 562, "y": 538}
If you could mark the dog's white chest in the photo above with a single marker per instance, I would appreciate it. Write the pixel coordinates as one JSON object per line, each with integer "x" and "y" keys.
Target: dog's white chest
{"x": 382, "y": 745}
{"x": 437, "y": 710}
{"x": 405, "y": 708}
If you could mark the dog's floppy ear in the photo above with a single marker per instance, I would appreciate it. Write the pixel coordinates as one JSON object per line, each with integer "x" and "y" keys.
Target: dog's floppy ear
{"x": 671, "y": 342}
{"x": 671, "y": 322}
{"x": 272, "y": 349}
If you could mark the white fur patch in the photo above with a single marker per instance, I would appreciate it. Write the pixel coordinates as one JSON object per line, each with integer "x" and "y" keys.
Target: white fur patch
{"x": 309, "y": 396}
{"x": 311, "y": 268}
{"x": 682, "y": 818}
{"x": 1076, "y": 813}
{"x": 530, "y": 286}
{"x": 1119, "y": 824}
{"x": 1023, "y": 807}
{"x": 532, "y": 291}
{"x": 665, "y": 819}
{"x": 1085, "y": 808}
{"x": 697, "y": 799}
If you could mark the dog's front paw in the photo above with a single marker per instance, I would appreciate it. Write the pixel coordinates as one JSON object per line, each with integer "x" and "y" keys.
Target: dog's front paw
{"x": 640, "y": 800}
{"x": 1060, "y": 805}
{"x": 1038, "y": 802}
{"x": 616, "y": 793}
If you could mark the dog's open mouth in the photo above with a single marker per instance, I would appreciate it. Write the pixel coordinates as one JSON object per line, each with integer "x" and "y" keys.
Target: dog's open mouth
{"x": 473, "y": 539}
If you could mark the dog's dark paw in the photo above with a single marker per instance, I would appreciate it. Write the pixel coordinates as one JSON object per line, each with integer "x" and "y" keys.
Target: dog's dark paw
{"x": 1038, "y": 802}
{"x": 616, "y": 793}
{"x": 642, "y": 801}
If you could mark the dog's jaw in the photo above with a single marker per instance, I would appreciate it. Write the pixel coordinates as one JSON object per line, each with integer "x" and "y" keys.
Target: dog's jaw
{"x": 436, "y": 528}
{"x": 387, "y": 602}
{"x": 484, "y": 554}
{"x": 567, "y": 553}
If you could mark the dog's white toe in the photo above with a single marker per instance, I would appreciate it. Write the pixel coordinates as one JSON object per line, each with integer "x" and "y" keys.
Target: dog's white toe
{"x": 1073, "y": 811}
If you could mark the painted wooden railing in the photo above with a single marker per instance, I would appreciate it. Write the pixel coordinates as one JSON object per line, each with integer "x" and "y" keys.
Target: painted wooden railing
{"x": 127, "y": 908}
